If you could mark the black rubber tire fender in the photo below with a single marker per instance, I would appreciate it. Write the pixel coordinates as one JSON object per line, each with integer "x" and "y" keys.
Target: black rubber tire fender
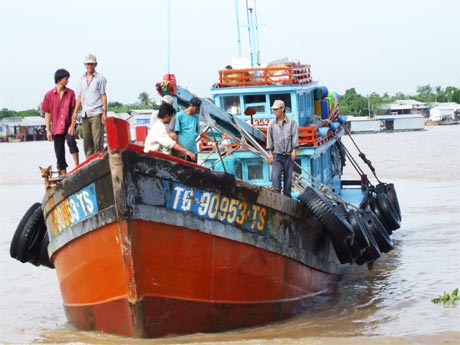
{"x": 355, "y": 249}
{"x": 332, "y": 220}
{"x": 339, "y": 229}
{"x": 20, "y": 228}
{"x": 31, "y": 237}
{"x": 342, "y": 251}
{"x": 342, "y": 209}
{"x": 393, "y": 197}
{"x": 379, "y": 232}
{"x": 360, "y": 260}
{"x": 390, "y": 191}
{"x": 42, "y": 257}
{"x": 359, "y": 228}
{"x": 390, "y": 215}
{"x": 372, "y": 252}
{"x": 376, "y": 210}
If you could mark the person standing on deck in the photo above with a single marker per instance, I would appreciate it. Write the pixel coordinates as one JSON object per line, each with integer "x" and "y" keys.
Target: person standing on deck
{"x": 58, "y": 105}
{"x": 159, "y": 139}
{"x": 282, "y": 142}
{"x": 93, "y": 99}
{"x": 187, "y": 125}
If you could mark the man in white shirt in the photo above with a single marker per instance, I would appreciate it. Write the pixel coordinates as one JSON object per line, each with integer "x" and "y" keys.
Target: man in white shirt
{"x": 158, "y": 138}
{"x": 154, "y": 116}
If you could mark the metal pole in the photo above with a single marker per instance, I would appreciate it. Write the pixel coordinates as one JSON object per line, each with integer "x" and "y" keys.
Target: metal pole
{"x": 368, "y": 105}
{"x": 169, "y": 35}
{"x": 238, "y": 27}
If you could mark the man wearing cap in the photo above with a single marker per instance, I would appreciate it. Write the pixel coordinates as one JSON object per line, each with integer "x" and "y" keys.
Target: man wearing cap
{"x": 282, "y": 142}
{"x": 93, "y": 100}
{"x": 187, "y": 125}
{"x": 159, "y": 139}
{"x": 166, "y": 99}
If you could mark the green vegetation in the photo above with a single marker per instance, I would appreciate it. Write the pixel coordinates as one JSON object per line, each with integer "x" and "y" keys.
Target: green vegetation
{"x": 12, "y": 113}
{"x": 447, "y": 298}
{"x": 144, "y": 103}
{"x": 351, "y": 103}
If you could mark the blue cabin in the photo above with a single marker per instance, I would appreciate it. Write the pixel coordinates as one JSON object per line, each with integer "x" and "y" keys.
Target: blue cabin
{"x": 247, "y": 95}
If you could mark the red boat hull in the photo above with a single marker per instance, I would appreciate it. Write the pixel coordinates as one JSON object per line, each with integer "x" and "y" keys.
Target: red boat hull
{"x": 158, "y": 279}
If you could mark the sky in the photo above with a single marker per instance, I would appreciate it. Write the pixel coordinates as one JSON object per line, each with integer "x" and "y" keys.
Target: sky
{"x": 370, "y": 45}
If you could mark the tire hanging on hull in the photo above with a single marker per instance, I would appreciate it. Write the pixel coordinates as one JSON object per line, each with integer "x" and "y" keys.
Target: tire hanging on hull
{"x": 30, "y": 240}
{"x": 19, "y": 229}
{"x": 339, "y": 229}
{"x": 390, "y": 191}
{"x": 372, "y": 251}
{"x": 378, "y": 231}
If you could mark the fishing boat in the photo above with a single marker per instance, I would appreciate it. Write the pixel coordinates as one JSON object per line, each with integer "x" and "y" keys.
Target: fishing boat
{"x": 148, "y": 244}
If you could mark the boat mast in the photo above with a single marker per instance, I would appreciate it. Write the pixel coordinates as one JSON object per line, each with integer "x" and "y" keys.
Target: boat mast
{"x": 169, "y": 36}
{"x": 238, "y": 27}
{"x": 253, "y": 36}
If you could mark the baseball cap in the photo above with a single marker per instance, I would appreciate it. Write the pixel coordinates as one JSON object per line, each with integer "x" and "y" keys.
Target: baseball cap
{"x": 278, "y": 104}
{"x": 168, "y": 99}
{"x": 90, "y": 58}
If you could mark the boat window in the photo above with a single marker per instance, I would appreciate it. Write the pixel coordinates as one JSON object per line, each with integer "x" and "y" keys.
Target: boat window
{"x": 285, "y": 97}
{"x": 238, "y": 169}
{"x": 232, "y": 104}
{"x": 257, "y": 102}
{"x": 255, "y": 171}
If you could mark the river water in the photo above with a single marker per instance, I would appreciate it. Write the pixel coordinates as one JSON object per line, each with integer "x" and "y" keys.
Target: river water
{"x": 389, "y": 305}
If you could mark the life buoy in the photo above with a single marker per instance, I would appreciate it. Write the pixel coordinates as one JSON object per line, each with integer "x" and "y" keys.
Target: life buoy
{"x": 30, "y": 236}
{"x": 377, "y": 229}
{"x": 20, "y": 228}
{"x": 339, "y": 229}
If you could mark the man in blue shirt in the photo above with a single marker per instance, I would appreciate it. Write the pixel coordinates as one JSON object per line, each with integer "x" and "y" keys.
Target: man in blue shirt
{"x": 187, "y": 125}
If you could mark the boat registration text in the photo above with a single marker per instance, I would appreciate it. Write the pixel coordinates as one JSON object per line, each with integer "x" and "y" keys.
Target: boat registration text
{"x": 74, "y": 209}
{"x": 210, "y": 205}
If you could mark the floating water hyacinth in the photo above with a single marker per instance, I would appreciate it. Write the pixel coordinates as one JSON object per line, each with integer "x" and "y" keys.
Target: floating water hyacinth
{"x": 447, "y": 298}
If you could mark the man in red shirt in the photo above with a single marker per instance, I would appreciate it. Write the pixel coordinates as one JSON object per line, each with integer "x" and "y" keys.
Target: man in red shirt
{"x": 58, "y": 105}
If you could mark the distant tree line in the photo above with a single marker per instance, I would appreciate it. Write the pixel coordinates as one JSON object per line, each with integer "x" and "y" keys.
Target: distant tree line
{"x": 144, "y": 102}
{"x": 351, "y": 103}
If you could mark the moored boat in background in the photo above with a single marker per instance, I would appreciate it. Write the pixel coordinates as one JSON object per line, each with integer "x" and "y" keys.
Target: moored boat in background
{"x": 148, "y": 244}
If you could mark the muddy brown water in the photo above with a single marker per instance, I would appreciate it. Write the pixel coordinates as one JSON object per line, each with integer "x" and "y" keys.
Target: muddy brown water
{"x": 389, "y": 305}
